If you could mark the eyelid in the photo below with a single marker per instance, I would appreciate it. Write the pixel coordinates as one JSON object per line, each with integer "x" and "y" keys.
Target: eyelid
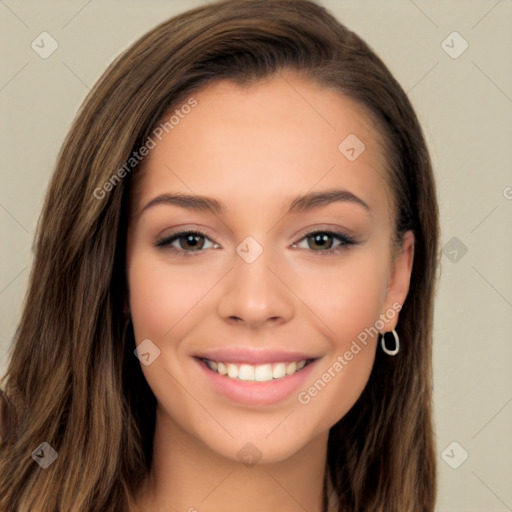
{"x": 183, "y": 229}
{"x": 333, "y": 230}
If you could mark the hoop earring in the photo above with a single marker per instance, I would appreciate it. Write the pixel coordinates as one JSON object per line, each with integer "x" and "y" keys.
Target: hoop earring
{"x": 389, "y": 352}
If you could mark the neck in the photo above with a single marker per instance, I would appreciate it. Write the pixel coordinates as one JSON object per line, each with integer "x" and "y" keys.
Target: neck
{"x": 187, "y": 475}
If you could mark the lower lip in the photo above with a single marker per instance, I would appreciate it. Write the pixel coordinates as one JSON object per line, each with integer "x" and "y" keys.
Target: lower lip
{"x": 254, "y": 392}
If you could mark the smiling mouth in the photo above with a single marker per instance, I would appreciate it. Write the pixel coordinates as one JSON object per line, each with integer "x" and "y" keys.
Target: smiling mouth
{"x": 256, "y": 373}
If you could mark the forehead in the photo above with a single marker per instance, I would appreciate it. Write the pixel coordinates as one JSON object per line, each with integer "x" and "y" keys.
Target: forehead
{"x": 259, "y": 143}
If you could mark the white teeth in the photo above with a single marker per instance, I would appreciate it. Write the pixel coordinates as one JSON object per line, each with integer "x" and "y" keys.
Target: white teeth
{"x": 263, "y": 372}
{"x": 291, "y": 368}
{"x": 232, "y": 370}
{"x": 221, "y": 368}
{"x": 279, "y": 370}
{"x": 259, "y": 373}
{"x": 246, "y": 372}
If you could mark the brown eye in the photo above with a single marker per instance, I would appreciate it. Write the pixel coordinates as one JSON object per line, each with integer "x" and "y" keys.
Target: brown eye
{"x": 324, "y": 242}
{"x": 320, "y": 241}
{"x": 186, "y": 243}
{"x": 191, "y": 241}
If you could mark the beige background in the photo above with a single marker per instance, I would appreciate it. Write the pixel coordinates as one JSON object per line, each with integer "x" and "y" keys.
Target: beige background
{"x": 465, "y": 106}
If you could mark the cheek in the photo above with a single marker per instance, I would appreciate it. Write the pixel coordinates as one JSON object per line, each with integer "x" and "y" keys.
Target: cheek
{"x": 346, "y": 296}
{"x": 148, "y": 298}
{"x": 162, "y": 295}
{"x": 348, "y": 304}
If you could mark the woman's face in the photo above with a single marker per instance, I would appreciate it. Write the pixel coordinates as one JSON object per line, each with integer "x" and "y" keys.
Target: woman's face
{"x": 289, "y": 262}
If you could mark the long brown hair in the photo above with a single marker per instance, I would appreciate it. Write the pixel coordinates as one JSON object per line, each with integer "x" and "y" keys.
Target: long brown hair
{"x": 73, "y": 378}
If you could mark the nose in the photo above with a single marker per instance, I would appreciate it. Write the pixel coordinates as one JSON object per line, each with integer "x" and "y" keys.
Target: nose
{"x": 256, "y": 294}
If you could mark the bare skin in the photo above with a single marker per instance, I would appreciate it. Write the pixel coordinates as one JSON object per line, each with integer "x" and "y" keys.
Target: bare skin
{"x": 256, "y": 149}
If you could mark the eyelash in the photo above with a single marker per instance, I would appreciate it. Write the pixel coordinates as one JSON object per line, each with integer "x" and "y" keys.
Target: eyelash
{"x": 346, "y": 242}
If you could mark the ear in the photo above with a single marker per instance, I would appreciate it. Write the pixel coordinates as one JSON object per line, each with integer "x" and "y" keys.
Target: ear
{"x": 399, "y": 280}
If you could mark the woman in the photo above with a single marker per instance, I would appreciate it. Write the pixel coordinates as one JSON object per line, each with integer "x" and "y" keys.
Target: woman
{"x": 232, "y": 295}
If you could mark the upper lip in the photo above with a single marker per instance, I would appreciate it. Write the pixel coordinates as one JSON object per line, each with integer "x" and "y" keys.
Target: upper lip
{"x": 253, "y": 356}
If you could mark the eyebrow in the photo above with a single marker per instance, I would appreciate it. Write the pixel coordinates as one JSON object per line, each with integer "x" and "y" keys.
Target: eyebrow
{"x": 302, "y": 203}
